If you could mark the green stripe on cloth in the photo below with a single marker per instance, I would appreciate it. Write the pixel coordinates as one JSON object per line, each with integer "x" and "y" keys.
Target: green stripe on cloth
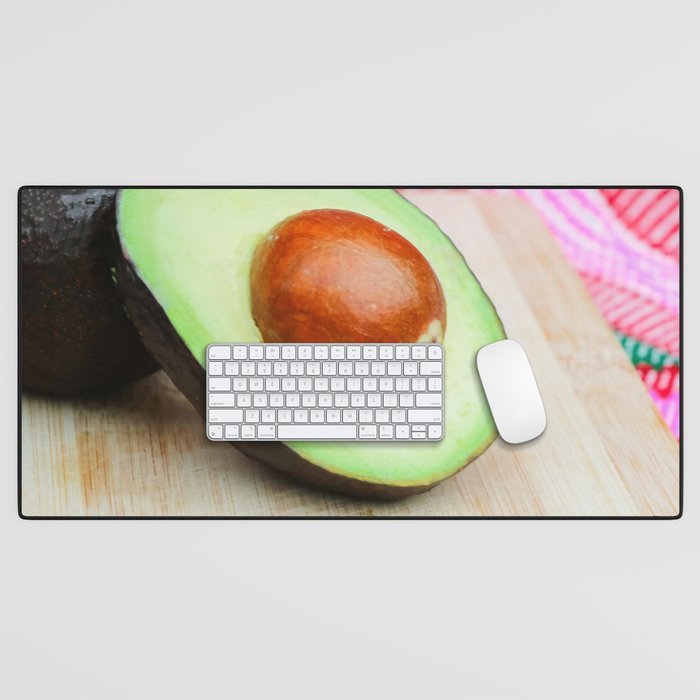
{"x": 641, "y": 353}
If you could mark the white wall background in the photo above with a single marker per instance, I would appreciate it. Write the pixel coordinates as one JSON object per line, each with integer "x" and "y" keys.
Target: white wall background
{"x": 358, "y": 92}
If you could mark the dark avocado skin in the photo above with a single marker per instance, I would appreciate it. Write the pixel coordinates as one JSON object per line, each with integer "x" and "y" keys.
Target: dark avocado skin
{"x": 75, "y": 336}
{"x": 174, "y": 357}
{"x": 169, "y": 350}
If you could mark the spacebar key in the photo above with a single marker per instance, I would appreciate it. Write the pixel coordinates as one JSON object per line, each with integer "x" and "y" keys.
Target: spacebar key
{"x": 317, "y": 432}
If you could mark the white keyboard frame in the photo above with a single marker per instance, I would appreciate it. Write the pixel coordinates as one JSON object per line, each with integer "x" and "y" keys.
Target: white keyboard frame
{"x": 425, "y": 439}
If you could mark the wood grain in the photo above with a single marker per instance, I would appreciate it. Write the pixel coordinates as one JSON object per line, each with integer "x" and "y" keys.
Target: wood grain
{"x": 605, "y": 452}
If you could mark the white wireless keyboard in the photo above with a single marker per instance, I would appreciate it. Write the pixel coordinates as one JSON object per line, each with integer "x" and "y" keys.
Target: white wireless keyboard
{"x": 325, "y": 392}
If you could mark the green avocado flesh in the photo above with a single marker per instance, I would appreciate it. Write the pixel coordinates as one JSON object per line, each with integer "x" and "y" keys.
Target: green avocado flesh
{"x": 192, "y": 249}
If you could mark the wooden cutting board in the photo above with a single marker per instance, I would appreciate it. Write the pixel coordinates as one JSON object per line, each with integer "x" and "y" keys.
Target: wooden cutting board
{"x": 606, "y": 450}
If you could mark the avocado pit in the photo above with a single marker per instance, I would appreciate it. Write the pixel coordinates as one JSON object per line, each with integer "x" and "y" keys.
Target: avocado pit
{"x": 336, "y": 276}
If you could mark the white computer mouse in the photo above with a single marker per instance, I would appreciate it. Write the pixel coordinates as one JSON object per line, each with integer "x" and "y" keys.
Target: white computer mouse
{"x": 511, "y": 391}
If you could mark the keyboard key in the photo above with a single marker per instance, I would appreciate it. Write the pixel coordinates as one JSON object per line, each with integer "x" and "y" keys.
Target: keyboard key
{"x": 321, "y": 352}
{"x": 248, "y": 368}
{"x": 240, "y": 384}
{"x": 329, "y": 368}
{"x": 231, "y": 368}
{"x": 369, "y": 384}
{"x": 216, "y": 368}
{"x": 255, "y": 352}
{"x": 391, "y": 400}
{"x": 386, "y": 384}
{"x": 280, "y": 368}
{"x": 418, "y": 384}
{"x": 317, "y": 416}
{"x": 305, "y": 352}
{"x": 216, "y": 432}
{"x": 434, "y": 432}
{"x": 342, "y": 400}
{"x": 353, "y": 352}
{"x": 289, "y": 384}
{"x": 220, "y": 352}
{"x": 418, "y": 352}
{"x": 430, "y": 368}
{"x": 256, "y": 384}
{"x": 289, "y": 352}
{"x": 325, "y": 400}
{"x": 219, "y": 384}
{"x": 434, "y": 352}
{"x": 296, "y": 368}
{"x": 231, "y": 432}
{"x": 308, "y": 400}
{"x": 313, "y": 369}
{"x": 259, "y": 400}
{"x": 267, "y": 416}
{"x": 272, "y": 352}
{"x": 325, "y": 432}
{"x": 301, "y": 415}
{"x": 365, "y": 415}
{"x": 406, "y": 400}
{"x": 398, "y": 416}
{"x": 435, "y": 384}
{"x": 276, "y": 400}
{"x": 386, "y": 432}
{"x": 225, "y": 415}
{"x": 345, "y": 368}
{"x": 369, "y": 352}
{"x": 349, "y": 415}
{"x": 216, "y": 400}
{"x": 264, "y": 369}
{"x": 374, "y": 400}
{"x": 353, "y": 384}
{"x": 333, "y": 415}
{"x": 368, "y": 432}
{"x": 243, "y": 400}
{"x": 357, "y": 400}
{"x": 252, "y": 415}
{"x": 321, "y": 384}
{"x": 402, "y": 432}
{"x": 272, "y": 384}
{"x": 266, "y": 432}
{"x": 386, "y": 352}
{"x": 410, "y": 368}
{"x": 337, "y": 352}
{"x": 293, "y": 400}
{"x": 305, "y": 384}
{"x": 402, "y": 352}
{"x": 248, "y": 432}
{"x": 393, "y": 368}
{"x": 378, "y": 368}
{"x": 403, "y": 384}
{"x": 362, "y": 369}
{"x": 428, "y": 400}
{"x": 424, "y": 416}
{"x": 240, "y": 352}
{"x": 381, "y": 415}
{"x": 284, "y": 415}
{"x": 337, "y": 384}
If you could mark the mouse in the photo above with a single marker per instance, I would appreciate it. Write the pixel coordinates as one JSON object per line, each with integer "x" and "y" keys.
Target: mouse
{"x": 511, "y": 391}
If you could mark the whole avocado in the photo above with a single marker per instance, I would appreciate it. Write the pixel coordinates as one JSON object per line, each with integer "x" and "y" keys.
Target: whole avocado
{"x": 75, "y": 336}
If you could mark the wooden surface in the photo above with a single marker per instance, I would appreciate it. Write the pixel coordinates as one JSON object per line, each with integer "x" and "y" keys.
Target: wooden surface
{"x": 605, "y": 451}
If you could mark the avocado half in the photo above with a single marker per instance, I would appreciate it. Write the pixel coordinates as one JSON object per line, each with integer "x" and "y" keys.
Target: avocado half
{"x": 75, "y": 335}
{"x": 185, "y": 277}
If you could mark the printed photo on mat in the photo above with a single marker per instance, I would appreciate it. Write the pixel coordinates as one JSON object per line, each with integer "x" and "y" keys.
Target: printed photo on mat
{"x": 299, "y": 352}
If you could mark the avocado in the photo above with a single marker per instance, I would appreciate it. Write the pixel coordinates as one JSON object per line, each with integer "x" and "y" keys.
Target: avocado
{"x": 185, "y": 275}
{"x": 75, "y": 336}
